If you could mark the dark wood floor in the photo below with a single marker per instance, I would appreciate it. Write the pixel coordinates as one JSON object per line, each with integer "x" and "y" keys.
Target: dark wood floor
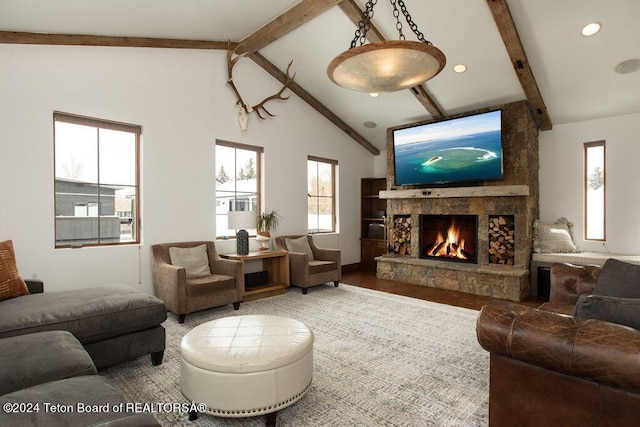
{"x": 368, "y": 279}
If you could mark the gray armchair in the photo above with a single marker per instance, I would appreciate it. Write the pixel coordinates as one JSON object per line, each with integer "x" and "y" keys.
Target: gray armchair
{"x": 310, "y": 265}
{"x": 183, "y": 295}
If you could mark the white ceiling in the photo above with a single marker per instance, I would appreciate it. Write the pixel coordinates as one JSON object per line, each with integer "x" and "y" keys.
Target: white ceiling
{"x": 575, "y": 74}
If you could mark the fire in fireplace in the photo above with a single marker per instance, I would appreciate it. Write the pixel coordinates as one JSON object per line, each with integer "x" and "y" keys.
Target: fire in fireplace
{"x": 449, "y": 237}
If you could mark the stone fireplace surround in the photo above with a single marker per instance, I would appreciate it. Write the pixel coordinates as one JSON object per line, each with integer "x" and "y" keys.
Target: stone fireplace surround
{"x": 516, "y": 196}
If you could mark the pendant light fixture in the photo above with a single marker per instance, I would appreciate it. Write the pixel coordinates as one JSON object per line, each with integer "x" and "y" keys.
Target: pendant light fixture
{"x": 386, "y": 66}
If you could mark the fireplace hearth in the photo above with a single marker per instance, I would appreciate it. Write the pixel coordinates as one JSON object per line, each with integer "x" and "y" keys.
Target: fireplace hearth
{"x": 449, "y": 237}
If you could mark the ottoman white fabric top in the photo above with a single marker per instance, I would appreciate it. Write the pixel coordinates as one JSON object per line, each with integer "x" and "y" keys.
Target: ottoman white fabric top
{"x": 243, "y": 344}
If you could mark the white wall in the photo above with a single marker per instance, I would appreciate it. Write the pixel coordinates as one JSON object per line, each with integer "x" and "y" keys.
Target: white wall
{"x": 561, "y": 178}
{"x": 181, "y": 99}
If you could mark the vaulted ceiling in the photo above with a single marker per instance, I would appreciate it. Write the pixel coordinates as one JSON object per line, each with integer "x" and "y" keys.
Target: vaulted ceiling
{"x": 514, "y": 50}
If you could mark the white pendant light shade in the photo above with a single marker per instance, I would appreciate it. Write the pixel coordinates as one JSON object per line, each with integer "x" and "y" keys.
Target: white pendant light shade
{"x": 386, "y": 66}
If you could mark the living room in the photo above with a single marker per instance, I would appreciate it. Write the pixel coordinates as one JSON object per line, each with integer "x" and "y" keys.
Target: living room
{"x": 181, "y": 99}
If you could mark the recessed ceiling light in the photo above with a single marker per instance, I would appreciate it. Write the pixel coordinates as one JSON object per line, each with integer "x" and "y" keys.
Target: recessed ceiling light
{"x": 370, "y": 125}
{"x": 591, "y": 29}
{"x": 374, "y": 94}
{"x": 629, "y": 66}
{"x": 459, "y": 68}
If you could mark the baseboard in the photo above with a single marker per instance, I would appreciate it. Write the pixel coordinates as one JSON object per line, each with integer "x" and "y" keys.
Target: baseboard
{"x": 347, "y": 268}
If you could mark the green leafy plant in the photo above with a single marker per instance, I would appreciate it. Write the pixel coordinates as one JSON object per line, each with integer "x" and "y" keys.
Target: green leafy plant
{"x": 267, "y": 222}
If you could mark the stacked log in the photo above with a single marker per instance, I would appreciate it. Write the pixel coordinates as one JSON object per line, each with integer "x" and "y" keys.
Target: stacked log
{"x": 402, "y": 235}
{"x": 501, "y": 239}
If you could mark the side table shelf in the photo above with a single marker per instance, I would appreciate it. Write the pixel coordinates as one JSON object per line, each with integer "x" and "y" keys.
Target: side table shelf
{"x": 276, "y": 263}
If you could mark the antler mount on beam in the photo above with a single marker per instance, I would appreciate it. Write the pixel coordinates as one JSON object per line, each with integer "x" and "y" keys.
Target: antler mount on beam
{"x": 245, "y": 110}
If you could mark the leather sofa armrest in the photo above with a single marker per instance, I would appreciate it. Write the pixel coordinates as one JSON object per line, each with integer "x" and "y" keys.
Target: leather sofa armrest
{"x": 35, "y": 286}
{"x": 569, "y": 281}
{"x": 591, "y": 349}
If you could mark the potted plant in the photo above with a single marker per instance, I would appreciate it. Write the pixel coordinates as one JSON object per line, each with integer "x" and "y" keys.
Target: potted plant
{"x": 268, "y": 221}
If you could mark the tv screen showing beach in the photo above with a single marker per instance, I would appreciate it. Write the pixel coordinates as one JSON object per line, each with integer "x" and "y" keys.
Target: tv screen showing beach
{"x": 465, "y": 149}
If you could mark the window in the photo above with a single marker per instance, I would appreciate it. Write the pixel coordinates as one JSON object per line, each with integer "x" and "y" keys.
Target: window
{"x": 321, "y": 184}
{"x": 97, "y": 189}
{"x": 237, "y": 183}
{"x": 594, "y": 191}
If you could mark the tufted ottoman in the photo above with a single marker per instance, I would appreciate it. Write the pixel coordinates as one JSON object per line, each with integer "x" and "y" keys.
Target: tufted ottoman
{"x": 243, "y": 366}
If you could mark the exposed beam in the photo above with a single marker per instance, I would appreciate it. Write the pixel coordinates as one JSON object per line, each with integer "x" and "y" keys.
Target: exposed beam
{"x": 512, "y": 42}
{"x": 317, "y": 105}
{"x": 14, "y": 37}
{"x": 91, "y": 40}
{"x": 427, "y": 101}
{"x": 353, "y": 12}
{"x": 299, "y": 14}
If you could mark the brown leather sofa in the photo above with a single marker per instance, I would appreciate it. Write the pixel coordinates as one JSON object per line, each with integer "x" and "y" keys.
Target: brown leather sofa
{"x": 552, "y": 369}
{"x": 568, "y": 282}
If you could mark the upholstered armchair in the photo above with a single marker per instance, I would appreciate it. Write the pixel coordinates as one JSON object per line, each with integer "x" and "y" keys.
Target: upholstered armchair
{"x": 310, "y": 265}
{"x": 191, "y": 276}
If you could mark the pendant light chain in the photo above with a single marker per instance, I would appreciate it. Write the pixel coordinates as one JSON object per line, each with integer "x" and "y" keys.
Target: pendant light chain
{"x": 412, "y": 25}
{"x": 365, "y": 22}
{"x": 396, "y": 14}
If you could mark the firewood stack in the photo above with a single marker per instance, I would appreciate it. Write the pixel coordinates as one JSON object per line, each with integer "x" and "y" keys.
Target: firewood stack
{"x": 501, "y": 239}
{"x": 402, "y": 235}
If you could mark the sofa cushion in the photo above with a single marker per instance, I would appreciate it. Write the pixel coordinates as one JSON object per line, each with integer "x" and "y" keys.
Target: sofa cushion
{"x": 91, "y": 391}
{"x": 194, "y": 260}
{"x": 300, "y": 245}
{"x": 33, "y": 359}
{"x": 553, "y": 238}
{"x": 11, "y": 284}
{"x": 618, "y": 279}
{"x": 623, "y": 311}
{"x": 91, "y": 314}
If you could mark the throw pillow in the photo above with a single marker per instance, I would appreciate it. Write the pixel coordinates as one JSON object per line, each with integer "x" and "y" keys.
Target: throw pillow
{"x": 623, "y": 311}
{"x": 301, "y": 244}
{"x": 553, "y": 238}
{"x": 11, "y": 284}
{"x": 194, "y": 260}
{"x": 618, "y": 279}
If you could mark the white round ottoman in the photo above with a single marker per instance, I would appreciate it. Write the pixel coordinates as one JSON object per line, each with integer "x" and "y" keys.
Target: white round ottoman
{"x": 243, "y": 366}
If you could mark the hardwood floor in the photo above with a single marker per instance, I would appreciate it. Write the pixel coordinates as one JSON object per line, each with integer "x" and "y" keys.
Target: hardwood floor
{"x": 368, "y": 279}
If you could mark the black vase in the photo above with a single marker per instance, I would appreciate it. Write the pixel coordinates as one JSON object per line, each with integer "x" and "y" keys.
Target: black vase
{"x": 242, "y": 242}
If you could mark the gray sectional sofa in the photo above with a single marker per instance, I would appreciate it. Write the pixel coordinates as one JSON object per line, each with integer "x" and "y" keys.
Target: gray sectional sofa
{"x": 51, "y": 345}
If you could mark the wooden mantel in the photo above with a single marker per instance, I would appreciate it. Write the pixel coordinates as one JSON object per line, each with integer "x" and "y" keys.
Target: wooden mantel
{"x": 431, "y": 193}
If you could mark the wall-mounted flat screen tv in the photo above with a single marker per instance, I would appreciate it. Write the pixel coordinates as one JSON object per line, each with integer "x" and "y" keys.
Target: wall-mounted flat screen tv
{"x": 464, "y": 149}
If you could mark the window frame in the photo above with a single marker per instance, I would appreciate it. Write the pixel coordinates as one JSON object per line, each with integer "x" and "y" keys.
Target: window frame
{"x": 587, "y": 146}
{"x": 98, "y": 124}
{"x": 259, "y": 152}
{"x": 334, "y": 166}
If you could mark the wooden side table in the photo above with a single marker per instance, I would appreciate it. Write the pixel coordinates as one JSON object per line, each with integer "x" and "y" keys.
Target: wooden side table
{"x": 276, "y": 263}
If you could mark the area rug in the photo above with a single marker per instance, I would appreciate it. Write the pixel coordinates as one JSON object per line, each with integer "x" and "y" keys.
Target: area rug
{"x": 379, "y": 360}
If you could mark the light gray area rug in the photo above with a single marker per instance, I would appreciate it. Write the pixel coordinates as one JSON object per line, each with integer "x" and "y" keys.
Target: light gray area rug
{"x": 380, "y": 360}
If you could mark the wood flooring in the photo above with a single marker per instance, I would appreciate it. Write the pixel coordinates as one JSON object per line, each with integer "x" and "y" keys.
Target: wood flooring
{"x": 368, "y": 279}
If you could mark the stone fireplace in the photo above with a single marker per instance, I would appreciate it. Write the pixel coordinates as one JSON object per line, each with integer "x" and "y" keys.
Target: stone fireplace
{"x": 496, "y": 218}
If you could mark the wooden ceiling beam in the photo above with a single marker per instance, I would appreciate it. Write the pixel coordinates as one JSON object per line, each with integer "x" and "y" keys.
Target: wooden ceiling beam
{"x": 13, "y": 37}
{"x": 511, "y": 39}
{"x": 16, "y": 37}
{"x": 299, "y": 14}
{"x": 313, "y": 102}
{"x": 353, "y": 12}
